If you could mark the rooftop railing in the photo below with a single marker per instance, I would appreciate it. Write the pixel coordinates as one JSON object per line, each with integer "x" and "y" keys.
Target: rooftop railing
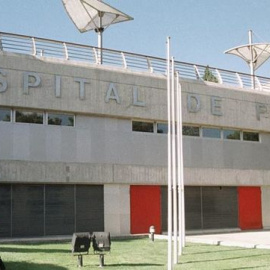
{"x": 41, "y": 47}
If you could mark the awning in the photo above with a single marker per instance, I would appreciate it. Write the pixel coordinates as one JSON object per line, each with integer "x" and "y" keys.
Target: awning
{"x": 93, "y": 14}
{"x": 255, "y": 54}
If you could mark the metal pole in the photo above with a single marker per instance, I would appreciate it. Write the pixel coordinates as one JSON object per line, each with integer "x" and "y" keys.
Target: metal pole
{"x": 181, "y": 159}
{"x": 179, "y": 132}
{"x": 99, "y": 31}
{"x": 169, "y": 159}
{"x": 251, "y": 64}
{"x": 175, "y": 260}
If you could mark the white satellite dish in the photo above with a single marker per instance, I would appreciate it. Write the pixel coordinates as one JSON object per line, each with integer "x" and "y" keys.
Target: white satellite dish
{"x": 93, "y": 15}
{"x": 254, "y": 54}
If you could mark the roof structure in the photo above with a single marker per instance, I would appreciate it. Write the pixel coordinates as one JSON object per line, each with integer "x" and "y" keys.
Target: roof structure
{"x": 93, "y": 14}
{"x": 256, "y": 53}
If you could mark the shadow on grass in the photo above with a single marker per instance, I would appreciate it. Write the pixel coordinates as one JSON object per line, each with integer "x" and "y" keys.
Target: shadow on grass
{"x": 225, "y": 259}
{"x": 248, "y": 267}
{"x": 217, "y": 251}
{"x": 31, "y": 266}
{"x": 141, "y": 265}
{"x": 33, "y": 250}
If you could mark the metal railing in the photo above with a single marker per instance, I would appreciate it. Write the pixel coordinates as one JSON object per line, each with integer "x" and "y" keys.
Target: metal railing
{"x": 41, "y": 47}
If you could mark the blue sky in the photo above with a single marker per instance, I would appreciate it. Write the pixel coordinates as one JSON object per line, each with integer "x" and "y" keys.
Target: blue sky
{"x": 200, "y": 30}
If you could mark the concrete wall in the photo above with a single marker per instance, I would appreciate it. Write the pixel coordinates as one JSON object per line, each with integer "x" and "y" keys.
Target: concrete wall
{"x": 102, "y": 148}
{"x": 265, "y": 207}
{"x": 92, "y": 89}
{"x": 106, "y": 150}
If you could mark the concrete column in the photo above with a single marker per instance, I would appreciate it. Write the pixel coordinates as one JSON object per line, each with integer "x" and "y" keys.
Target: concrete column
{"x": 117, "y": 209}
{"x": 265, "y": 206}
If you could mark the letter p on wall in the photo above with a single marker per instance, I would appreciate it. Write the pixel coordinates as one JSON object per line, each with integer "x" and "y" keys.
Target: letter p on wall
{"x": 30, "y": 79}
{"x": 261, "y": 109}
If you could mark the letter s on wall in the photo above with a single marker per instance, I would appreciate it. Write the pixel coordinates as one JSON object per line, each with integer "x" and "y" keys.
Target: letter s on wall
{"x": 3, "y": 82}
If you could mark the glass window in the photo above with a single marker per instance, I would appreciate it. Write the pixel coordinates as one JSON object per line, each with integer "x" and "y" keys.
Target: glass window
{"x": 60, "y": 119}
{"x": 162, "y": 128}
{"x": 191, "y": 131}
{"x": 231, "y": 134}
{"x": 5, "y": 115}
{"x": 29, "y": 117}
{"x": 211, "y": 133}
{"x": 142, "y": 126}
{"x": 251, "y": 136}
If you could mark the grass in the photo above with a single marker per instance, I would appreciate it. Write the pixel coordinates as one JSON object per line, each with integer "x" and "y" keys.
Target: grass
{"x": 132, "y": 254}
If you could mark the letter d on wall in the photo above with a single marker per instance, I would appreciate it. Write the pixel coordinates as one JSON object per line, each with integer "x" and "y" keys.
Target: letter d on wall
{"x": 193, "y": 103}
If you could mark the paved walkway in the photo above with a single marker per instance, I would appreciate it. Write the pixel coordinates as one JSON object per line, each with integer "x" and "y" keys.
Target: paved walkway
{"x": 254, "y": 239}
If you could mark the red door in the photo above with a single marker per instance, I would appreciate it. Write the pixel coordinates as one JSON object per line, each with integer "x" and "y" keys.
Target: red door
{"x": 145, "y": 204}
{"x": 250, "y": 210}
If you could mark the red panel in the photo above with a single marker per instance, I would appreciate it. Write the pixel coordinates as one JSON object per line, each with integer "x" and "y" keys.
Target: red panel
{"x": 250, "y": 210}
{"x": 145, "y": 207}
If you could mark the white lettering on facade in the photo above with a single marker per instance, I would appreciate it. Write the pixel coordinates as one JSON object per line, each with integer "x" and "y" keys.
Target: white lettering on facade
{"x": 3, "y": 82}
{"x": 30, "y": 79}
{"x": 136, "y": 101}
{"x": 34, "y": 80}
{"x": 112, "y": 94}
{"x": 261, "y": 109}
{"x": 82, "y": 83}
{"x": 193, "y": 103}
{"x": 57, "y": 86}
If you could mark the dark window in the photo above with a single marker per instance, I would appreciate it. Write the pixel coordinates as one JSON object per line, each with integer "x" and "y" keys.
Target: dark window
{"x": 211, "y": 133}
{"x": 251, "y": 136}
{"x": 162, "y": 128}
{"x": 60, "y": 119}
{"x": 5, "y": 115}
{"x": 191, "y": 131}
{"x": 29, "y": 117}
{"x": 231, "y": 134}
{"x": 142, "y": 126}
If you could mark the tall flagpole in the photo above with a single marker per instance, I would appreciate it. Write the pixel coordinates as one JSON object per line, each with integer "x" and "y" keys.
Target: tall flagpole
{"x": 169, "y": 159}
{"x": 180, "y": 170}
{"x": 175, "y": 255}
{"x": 179, "y": 125}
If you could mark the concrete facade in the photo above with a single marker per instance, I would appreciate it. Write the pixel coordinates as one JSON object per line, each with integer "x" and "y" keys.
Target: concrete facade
{"x": 102, "y": 148}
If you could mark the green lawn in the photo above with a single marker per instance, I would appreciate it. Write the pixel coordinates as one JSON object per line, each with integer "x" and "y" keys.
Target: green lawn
{"x": 132, "y": 254}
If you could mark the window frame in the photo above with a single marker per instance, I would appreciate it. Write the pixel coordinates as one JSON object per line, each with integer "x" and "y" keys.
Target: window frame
{"x": 211, "y": 128}
{"x": 193, "y": 136}
{"x": 60, "y": 114}
{"x": 146, "y": 122}
{"x": 162, "y": 123}
{"x": 246, "y": 131}
{"x": 228, "y": 139}
{"x": 28, "y": 111}
{"x": 10, "y": 114}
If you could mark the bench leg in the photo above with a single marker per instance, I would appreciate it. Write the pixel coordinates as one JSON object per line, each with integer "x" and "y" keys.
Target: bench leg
{"x": 80, "y": 261}
{"x": 101, "y": 260}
